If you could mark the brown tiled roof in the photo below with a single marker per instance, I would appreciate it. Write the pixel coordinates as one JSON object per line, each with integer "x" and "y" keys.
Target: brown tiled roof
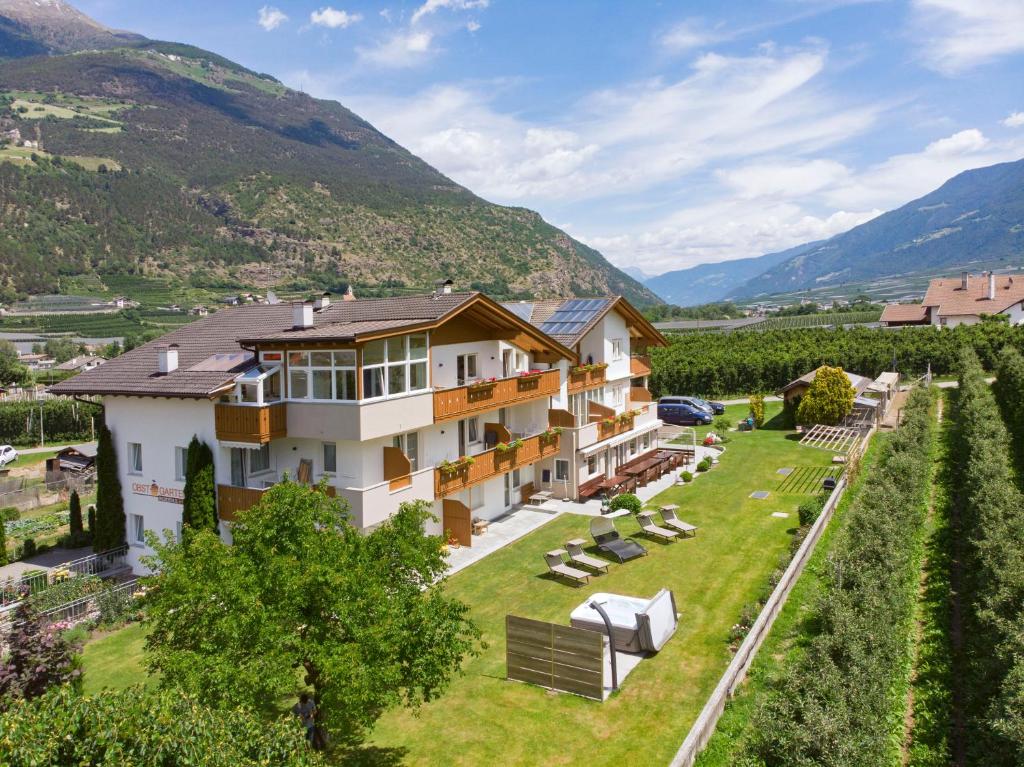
{"x": 135, "y": 372}
{"x": 904, "y": 313}
{"x": 951, "y": 299}
{"x": 541, "y": 311}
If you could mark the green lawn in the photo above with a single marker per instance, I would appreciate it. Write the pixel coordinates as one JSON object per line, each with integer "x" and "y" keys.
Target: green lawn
{"x": 30, "y": 459}
{"x": 487, "y": 719}
{"x": 115, "y": 660}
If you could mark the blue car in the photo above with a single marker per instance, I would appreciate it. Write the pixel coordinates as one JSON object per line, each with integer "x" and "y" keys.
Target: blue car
{"x": 682, "y": 414}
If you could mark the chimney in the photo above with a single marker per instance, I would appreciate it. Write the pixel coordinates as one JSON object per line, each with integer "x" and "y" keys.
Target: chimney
{"x": 302, "y": 315}
{"x": 991, "y": 286}
{"x": 443, "y": 287}
{"x": 322, "y": 301}
{"x": 965, "y": 278}
{"x": 349, "y": 294}
{"x": 167, "y": 358}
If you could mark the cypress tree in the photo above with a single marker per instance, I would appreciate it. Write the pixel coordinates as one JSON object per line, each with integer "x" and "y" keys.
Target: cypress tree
{"x": 75, "y": 515}
{"x": 92, "y": 520}
{"x": 199, "y": 511}
{"x": 110, "y": 519}
{"x": 3, "y": 542}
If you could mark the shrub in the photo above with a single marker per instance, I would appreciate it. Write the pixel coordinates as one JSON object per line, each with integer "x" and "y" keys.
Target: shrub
{"x": 75, "y": 514}
{"x": 117, "y": 607}
{"x": 810, "y": 510}
{"x": 199, "y": 510}
{"x": 109, "y": 532}
{"x": 829, "y": 398}
{"x": 704, "y": 465}
{"x": 9, "y": 514}
{"x": 3, "y": 545}
{"x": 721, "y": 427}
{"x": 38, "y": 659}
{"x": 92, "y": 520}
{"x": 28, "y": 548}
{"x": 686, "y": 476}
{"x": 627, "y": 501}
{"x": 757, "y": 409}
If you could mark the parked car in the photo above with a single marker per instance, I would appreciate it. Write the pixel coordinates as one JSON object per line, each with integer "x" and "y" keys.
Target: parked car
{"x": 714, "y": 408}
{"x": 7, "y": 455}
{"x": 682, "y": 414}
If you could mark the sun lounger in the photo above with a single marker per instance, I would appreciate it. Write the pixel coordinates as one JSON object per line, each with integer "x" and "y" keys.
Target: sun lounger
{"x": 608, "y": 540}
{"x": 668, "y": 513}
{"x": 646, "y": 520}
{"x": 558, "y": 567}
{"x": 579, "y": 557}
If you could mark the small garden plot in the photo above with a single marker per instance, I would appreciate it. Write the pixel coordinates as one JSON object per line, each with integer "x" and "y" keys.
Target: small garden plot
{"x": 809, "y": 479}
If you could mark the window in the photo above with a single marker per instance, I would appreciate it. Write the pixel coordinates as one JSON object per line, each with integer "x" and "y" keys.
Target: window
{"x": 180, "y": 463}
{"x": 469, "y": 434}
{"x": 465, "y": 368}
{"x": 561, "y": 470}
{"x": 410, "y": 445}
{"x": 322, "y": 375}
{"x": 134, "y": 458}
{"x": 137, "y": 530}
{"x": 592, "y": 464}
{"x": 394, "y": 366}
{"x": 632, "y": 447}
{"x": 259, "y": 459}
{"x": 616, "y": 348}
{"x": 330, "y": 457}
{"x": 647, "y": 440}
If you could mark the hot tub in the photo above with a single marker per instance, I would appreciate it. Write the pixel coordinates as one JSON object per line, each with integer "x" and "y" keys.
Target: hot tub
{"x": 638, "y": 625}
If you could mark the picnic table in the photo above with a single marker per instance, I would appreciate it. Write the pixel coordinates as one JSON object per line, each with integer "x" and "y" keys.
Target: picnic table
{"x": 541, "y": 497}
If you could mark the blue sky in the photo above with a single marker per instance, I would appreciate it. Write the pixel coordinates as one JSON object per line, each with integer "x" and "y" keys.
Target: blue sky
{"x": 664, "y": 134}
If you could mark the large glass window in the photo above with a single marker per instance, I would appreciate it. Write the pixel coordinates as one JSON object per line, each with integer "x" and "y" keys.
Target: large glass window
{"x": 134, "y": 458}
{"x": 322, "y": 375}
{"x": 330, "y": 457}
{"x": 394, "y": 366}
{"x": 180, "y": 463}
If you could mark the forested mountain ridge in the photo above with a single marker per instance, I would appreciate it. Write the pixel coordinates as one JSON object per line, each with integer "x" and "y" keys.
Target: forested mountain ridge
{"x": 165, "y": 160}
{"x": 977, "y": 215}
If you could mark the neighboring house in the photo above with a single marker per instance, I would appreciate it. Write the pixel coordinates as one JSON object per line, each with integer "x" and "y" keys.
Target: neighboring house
{"x": 35, "y": 361}
{"x": 798, "y": 387}
{"x": 381, "y": 399}
{"x": 123, "y": 302}
{"x": 870, "y": 401}
{"x": 81, "y": 363}
{"x": 951, "y": 302}
{"x": 198, "y": 311}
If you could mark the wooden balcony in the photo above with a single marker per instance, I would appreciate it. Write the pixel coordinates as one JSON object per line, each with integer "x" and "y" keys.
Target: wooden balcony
{"x": 612, "y": 427}
{"x": 639, "y": 365}
{"x": 491, "y": 395}
{"x": 562, "y": 418}
{"x": 492, "y": 463}
{"x": 231, "y": 500}
{"x": 638, "y": 396}
{"x": 587, "y": 379}
{"x": 251, "y": 423}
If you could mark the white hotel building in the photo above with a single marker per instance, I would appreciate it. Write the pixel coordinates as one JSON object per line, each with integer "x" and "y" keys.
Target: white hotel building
{"x": 382, "y": 398}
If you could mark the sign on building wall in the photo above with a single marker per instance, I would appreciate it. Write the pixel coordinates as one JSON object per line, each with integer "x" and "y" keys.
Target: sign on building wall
{"x": 163, "y": 494}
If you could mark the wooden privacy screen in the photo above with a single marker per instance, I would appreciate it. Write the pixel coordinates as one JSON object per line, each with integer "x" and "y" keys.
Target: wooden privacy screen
{"x": 560, "y": 657}
{"x": 457, "y": 520}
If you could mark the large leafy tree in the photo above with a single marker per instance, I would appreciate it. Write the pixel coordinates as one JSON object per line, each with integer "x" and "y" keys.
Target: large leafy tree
{"x": 200, "y": 505}
{"x": 110, "y": 519}
{"x": 829, "y": 398}
{"x": 304, "y": 598}
{"x": 145, "y": 728}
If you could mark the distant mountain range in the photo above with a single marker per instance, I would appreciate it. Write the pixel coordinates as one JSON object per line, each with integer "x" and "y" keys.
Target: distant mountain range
{"x": 167, "y": 161}
{"x": 977, "y": 216}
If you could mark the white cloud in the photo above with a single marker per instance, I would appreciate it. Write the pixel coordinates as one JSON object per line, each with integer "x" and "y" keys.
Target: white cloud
{"x": 472, "y": 26}
{"x": 786, "y": 179}
{"x": 432, "y": 6}
{"x": 689, "y": 34}
{"x": 404, "y": 49}
{"x": 270, "y": 18}
{"x": 956, "y": 35}
{"x": 1015, "y": 120}
{"x": 332, "y": 18}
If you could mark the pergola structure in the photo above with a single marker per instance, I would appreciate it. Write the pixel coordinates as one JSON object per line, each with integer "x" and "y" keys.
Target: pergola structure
{"x": 837, "y": 439}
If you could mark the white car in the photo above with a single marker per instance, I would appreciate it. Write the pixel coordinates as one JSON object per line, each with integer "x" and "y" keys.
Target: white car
{"x": 7, "y": 455}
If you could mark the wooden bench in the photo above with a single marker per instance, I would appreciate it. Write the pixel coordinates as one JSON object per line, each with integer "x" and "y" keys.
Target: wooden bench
{"x": 590, "y": 488}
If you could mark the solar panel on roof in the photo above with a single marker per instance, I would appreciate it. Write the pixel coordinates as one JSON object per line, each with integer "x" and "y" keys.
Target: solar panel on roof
{"x": 522, "y": 310}
{"x": 572, "y": 316}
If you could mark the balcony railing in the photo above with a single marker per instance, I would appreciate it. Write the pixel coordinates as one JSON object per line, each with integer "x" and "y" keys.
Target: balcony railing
{"x": 587, "y": 379}
{"x": 493, "y": 463}
{"x": 231, "y": 499}
{"x": 491, "y": 395}
{"x": 639, "y": 365}
{"x": 258, "y": 424}
{"x": 640, "y": 396}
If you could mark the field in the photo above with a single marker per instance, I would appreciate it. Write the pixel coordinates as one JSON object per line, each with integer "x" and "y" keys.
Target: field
{"x": 816, "y": 320}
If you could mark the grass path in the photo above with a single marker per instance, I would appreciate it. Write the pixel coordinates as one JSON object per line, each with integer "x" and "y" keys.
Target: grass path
{"x": 115, "y": 660}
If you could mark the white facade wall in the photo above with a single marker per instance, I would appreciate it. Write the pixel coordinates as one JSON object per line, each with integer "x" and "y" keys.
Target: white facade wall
{"x": 159, "y": 425}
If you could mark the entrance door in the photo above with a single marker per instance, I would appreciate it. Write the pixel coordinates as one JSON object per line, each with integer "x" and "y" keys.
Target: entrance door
{"x": 512, "y": 484}
{"x": 465, "y": 368}
{"x": 506, "y": 363}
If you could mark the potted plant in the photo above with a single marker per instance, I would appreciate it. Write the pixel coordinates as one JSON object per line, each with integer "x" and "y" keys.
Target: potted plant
{"x": 507, "y": 447}
{"x": 483, "y": 383}
{"x": 550, "y": 433}
{"x": 452, "y": 467}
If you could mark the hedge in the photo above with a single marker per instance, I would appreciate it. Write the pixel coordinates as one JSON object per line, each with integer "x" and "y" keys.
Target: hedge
{"x": 991, "y": 519}
{"x": 841, "y": 702}
{"x": 144, "y": 728}
{"x": 64, "y": 420}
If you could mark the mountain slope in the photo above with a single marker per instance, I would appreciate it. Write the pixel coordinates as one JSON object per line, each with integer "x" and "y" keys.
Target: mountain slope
{"x": 33, "y": 27}
{"x": 707, "y": 283}
{"x": 976, "y": 216}
{"x": 215, "y": 175}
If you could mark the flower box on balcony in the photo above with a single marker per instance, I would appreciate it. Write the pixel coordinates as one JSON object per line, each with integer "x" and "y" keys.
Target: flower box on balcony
{"x": 588, "y": 368}
{"x": 486, "y": 383}
{"x": 527, "y": 375}
{"x": 454, "y": 467}
{"x": 549, "y": 434}
{"x": 508, "y": 447}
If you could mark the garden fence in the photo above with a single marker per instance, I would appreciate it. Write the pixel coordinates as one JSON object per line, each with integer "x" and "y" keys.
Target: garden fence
{"x": 85, "y": 607}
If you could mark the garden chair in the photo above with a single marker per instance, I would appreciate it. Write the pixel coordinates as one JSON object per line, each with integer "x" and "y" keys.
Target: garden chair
{"x": 671, "y": 520}
{"x": 558, "y": 567}
{"x": 579, "y": 557}
{"x": 608, "y": 540}
{"x": 646, "y": 520}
